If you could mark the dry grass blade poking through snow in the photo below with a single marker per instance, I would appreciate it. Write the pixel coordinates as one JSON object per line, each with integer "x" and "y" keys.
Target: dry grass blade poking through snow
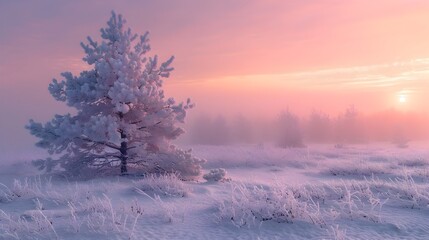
{"x": 168, "y": 185}
{"x": 250, "y": 205}
{"x": 163, "y": 184}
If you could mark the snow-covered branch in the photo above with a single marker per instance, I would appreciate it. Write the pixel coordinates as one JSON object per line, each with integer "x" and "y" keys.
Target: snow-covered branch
{"x": 111, "y": 145}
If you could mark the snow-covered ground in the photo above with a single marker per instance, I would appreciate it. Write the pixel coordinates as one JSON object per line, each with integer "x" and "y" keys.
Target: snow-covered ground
{"x": 319, "y": 192}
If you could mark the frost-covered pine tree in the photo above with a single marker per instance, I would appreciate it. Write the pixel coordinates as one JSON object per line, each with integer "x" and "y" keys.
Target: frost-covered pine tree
{"x": 123, "y": 119}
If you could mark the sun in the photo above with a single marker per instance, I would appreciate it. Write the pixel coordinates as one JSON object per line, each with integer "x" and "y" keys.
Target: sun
{"x": 402, "y": 99}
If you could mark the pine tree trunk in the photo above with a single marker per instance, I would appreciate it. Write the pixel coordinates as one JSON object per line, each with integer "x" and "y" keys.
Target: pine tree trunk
{"x": 123, "y": 150}
{"x": 124, "y": 157}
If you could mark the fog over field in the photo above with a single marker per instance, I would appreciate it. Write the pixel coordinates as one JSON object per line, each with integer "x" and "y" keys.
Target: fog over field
{"x": 350, "y": 126}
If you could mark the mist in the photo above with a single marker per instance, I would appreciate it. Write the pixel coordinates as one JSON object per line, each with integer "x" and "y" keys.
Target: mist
{"x": 288, "y": 129}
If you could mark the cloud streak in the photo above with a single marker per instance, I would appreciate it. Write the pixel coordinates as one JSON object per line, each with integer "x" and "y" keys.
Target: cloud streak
{"x": 409, "y": 74}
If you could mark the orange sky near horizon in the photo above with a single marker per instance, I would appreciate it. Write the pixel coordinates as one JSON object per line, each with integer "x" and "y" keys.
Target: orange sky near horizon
{"x": 369, "y": 88}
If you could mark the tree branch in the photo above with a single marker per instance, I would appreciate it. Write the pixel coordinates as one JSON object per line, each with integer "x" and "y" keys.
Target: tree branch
{"x": 141, "y": 128}
{"x": 106, "y": 156}
{"x": 111, "y": 145}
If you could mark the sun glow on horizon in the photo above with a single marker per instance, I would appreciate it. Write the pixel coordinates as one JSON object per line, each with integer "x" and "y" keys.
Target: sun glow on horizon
{"x": 402, "y": 98}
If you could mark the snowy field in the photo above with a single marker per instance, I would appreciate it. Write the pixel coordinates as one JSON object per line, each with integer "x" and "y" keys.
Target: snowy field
{"x": 320, "y": 192}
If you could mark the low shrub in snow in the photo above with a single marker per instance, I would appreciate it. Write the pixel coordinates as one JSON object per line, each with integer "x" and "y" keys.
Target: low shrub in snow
{"x": 315, "y": 204}
{"x": 250, "y": 205}
{"x": 215, "y": 175}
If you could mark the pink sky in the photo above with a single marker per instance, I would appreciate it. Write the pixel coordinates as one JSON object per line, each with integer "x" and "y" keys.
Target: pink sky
{"x": 255, "y": 57}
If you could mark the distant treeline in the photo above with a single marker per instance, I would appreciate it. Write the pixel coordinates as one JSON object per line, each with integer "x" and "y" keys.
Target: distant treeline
{"x": 289, "y": 130}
